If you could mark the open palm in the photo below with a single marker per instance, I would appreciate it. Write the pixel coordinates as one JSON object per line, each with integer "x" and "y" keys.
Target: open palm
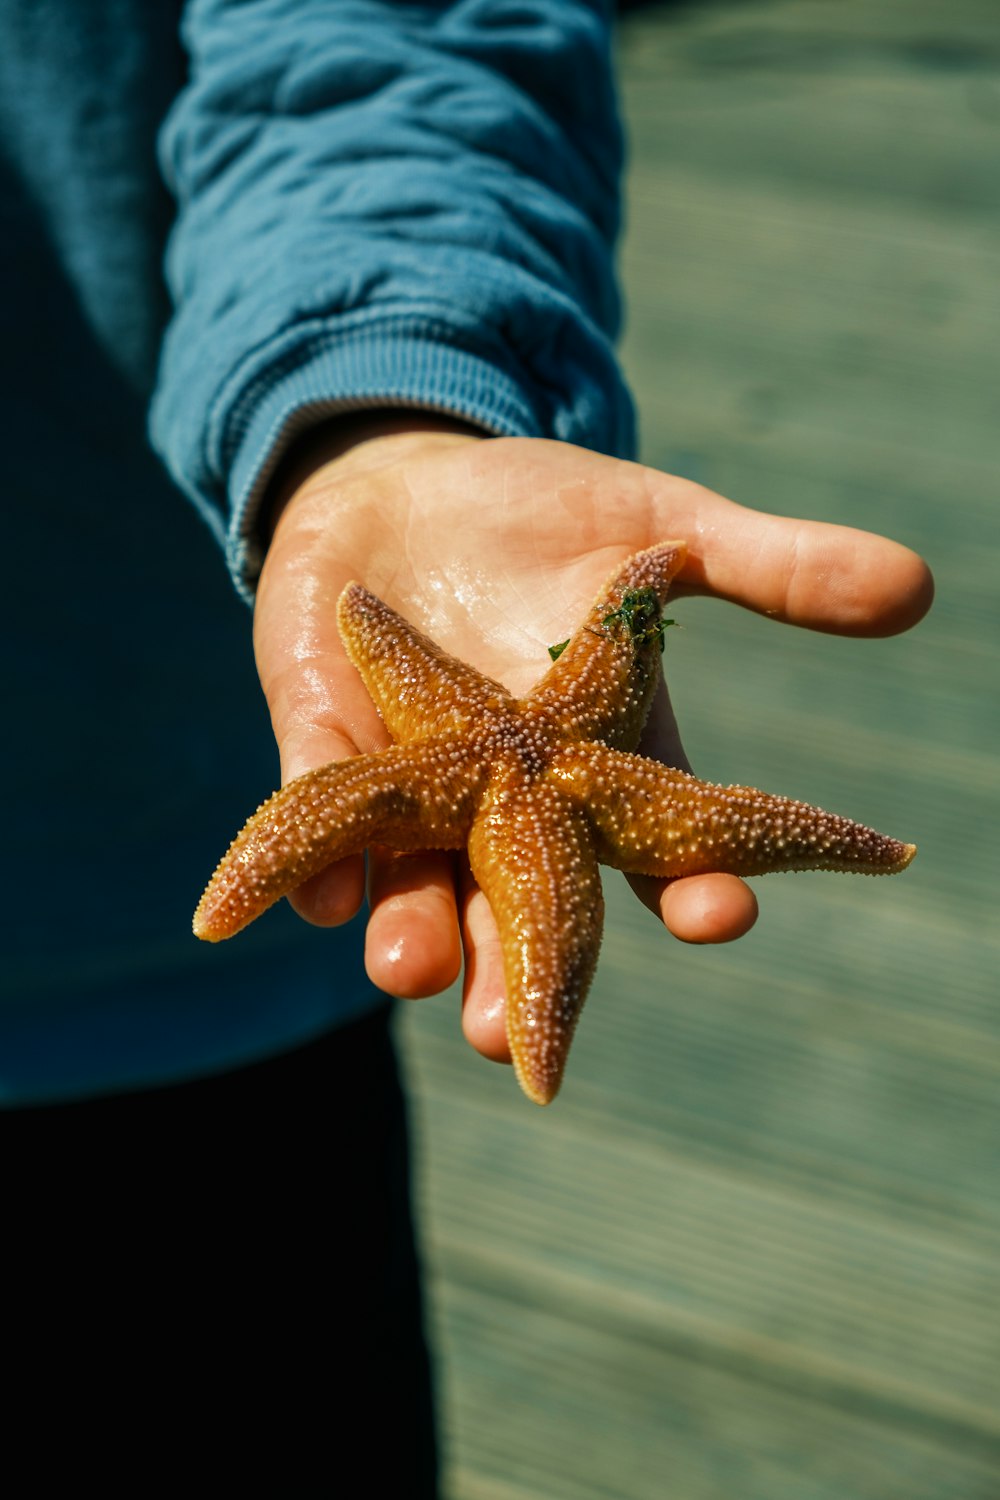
{"x": 495, "y": 547}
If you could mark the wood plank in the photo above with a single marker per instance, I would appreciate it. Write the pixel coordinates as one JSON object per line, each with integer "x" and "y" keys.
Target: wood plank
{"x": 751, "y": 1252}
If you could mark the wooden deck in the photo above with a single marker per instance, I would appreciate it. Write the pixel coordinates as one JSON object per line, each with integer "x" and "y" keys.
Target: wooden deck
{"x": 751, "y": 1253}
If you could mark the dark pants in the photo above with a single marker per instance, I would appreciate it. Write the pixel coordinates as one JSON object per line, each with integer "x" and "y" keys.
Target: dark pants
{"x": 228, "y": 1263}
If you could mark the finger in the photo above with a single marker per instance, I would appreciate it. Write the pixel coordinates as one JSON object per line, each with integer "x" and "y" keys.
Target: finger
{"x": 700, "y": 908}
{"x": 661, "y": 738}
{"x": 333, "y": 896}
{"x": 412, "y": 945}
{"x": 484, "y": 1017}
{"x": 808, "y": 573}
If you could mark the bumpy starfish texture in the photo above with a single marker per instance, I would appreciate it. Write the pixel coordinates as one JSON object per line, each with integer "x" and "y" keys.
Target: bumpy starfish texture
{"x": 540, "y": 790}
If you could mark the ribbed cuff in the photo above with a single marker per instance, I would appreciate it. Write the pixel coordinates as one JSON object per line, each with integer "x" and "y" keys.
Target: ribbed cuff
{"x": 312, "y": 374}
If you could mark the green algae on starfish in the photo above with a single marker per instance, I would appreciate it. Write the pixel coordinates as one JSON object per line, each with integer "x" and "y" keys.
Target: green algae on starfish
{"x": 639, "y": 614}
{"x": 539, "y": 790}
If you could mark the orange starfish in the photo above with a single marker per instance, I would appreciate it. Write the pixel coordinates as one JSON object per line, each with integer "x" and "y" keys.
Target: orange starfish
{"x": 539, "y": 789}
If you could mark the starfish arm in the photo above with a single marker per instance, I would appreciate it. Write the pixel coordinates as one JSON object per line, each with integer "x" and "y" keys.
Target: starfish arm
{"x": 533, "y": 856}
{"x": 408, "y": 796}
{"x": 417, "y": 687}
{"x": 602, "y": 684}
{"x": 653, "y": 820}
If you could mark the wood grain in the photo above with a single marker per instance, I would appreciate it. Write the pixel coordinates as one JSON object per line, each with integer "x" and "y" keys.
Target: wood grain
{"x": 752, "y": 1253}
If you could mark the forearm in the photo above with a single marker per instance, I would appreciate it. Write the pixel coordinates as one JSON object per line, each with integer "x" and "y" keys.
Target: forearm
{"x": 382, "y": 207}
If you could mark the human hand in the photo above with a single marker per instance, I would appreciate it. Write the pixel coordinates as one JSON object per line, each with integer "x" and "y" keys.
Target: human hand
{"x": 494, "y": 547}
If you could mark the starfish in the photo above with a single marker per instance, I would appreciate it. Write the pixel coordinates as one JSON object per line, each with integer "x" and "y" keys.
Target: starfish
{"x": 539, "y": 790}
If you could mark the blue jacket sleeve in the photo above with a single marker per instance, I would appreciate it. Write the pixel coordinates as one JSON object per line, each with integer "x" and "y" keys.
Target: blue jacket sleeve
{"x": 386, "y": 204}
